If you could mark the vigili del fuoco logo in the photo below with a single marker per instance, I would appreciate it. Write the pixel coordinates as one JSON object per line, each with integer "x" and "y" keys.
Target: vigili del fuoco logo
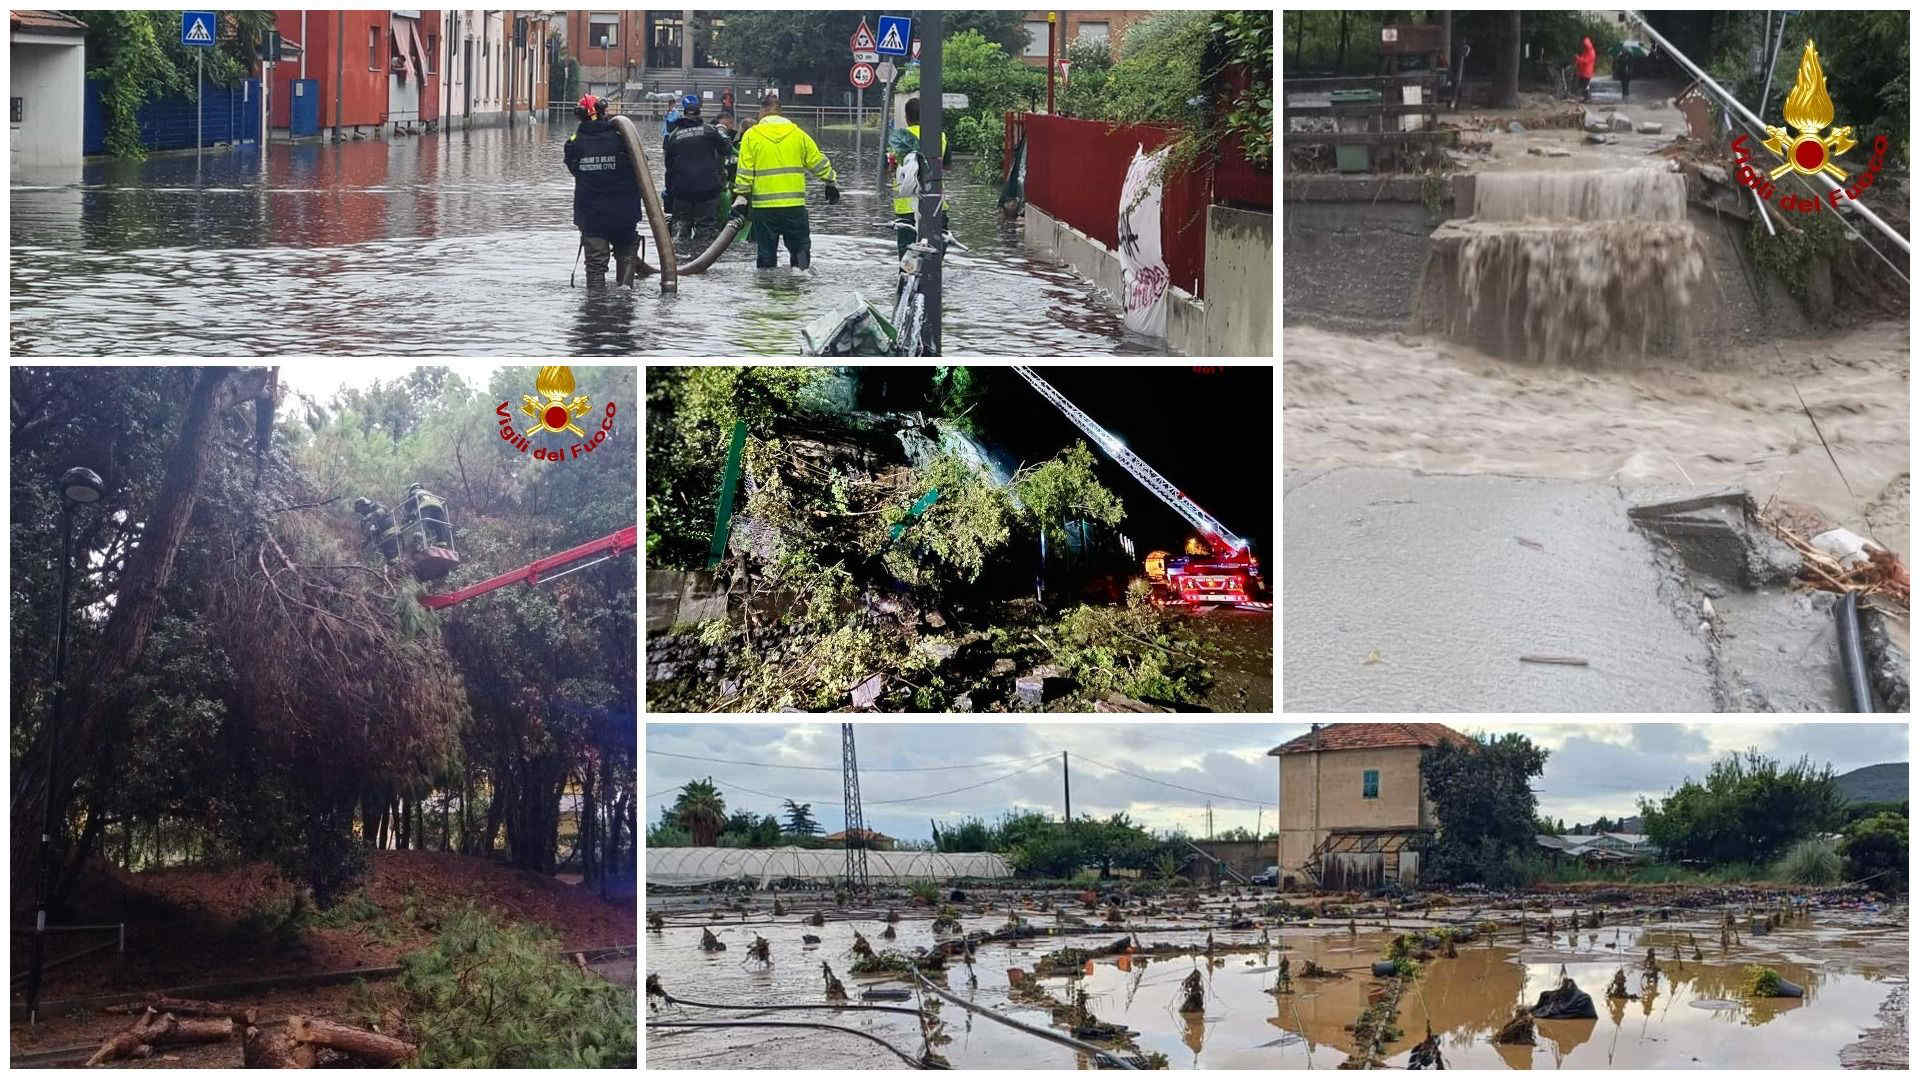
{"x": 1808, "y": 111}
{"x": 553, "y": 412}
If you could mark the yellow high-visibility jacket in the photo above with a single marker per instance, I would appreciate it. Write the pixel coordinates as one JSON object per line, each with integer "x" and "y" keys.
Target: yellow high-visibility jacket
{"x": 776, "y": 157}
{"x": 901, "y": 145}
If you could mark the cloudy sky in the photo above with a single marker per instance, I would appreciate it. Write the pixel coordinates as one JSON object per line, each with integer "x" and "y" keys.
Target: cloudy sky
{"x": 1594, "y": 768}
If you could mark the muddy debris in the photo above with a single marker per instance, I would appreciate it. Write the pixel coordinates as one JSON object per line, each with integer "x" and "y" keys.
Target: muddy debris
{"x": 1311, "y": 970}
{"x": 817, "y": 919}
{"x": 861, "y": 947}
{"x": 1565, "y": 1002}
{"x": 809, "y": 939}
{"x": 1517, "y": 1031}
{"x": 760, "y": 952}
{"x": 888, "y": 933}
{"x": 655, "y": 922}
{"x": 1426, "y": 1053}
{"x": 711, "y": 943}
{"x": 1195, "y": 1000}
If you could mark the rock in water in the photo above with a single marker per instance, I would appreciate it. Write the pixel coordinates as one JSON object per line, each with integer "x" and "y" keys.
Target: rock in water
{"x": 1648, "y": 127}
{"x": 1569, "y": 1002}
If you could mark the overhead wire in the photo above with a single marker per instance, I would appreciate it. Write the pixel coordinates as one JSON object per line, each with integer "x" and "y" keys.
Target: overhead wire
{"x": 1036, "y": 763}
{"x": 1168, "y": 783}
{"x": 836, "y": 768}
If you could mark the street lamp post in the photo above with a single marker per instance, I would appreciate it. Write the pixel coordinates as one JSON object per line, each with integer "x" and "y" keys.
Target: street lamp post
{"x": 78, "y": 487}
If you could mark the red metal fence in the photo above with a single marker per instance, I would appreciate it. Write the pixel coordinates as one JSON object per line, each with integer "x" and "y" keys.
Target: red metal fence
{"x": 1075, "y": 169}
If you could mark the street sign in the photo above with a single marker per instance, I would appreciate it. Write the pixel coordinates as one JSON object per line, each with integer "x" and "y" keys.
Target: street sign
{"x": 861, "y": 76}
{"x": 916, "y": 48}
{"x": 866, "y": 56}
{"x": 862, "y": 38}
{"x": 886, "y": 71}
{"x": 895, "y": 32}
{"x": 197, "y": 28}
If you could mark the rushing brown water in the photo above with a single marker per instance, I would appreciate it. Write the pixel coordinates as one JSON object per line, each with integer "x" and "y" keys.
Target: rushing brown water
{"x": 1572, "y": 268}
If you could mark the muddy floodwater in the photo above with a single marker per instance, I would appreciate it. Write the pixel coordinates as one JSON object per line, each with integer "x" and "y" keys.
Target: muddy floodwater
{"x": 462, "y": 244}
{"x": 1694, "y": 1013}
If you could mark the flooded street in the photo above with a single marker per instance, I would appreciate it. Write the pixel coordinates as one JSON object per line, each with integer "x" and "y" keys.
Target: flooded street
{"x": 1696, "y": 1013}
{"x": 462, "y": 244}
{"x": 1405, "y": 402}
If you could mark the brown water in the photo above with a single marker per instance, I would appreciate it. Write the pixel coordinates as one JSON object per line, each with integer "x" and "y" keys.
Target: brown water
{"x": 1578, "y": 268}
{"x": 1696, "y": 1015}
{"x": 1395, "y": 400}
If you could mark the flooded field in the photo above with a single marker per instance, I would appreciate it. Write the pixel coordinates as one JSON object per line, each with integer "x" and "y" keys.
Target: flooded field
{"x": 1692, "y": 1013}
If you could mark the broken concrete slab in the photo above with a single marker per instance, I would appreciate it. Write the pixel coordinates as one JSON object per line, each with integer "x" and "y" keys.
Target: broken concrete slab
{"x": 1619, "y": 122}
{"x": 1648, "y": 127}
{"x": 1031, "y": 689}
{"x": 1716, "y": 535}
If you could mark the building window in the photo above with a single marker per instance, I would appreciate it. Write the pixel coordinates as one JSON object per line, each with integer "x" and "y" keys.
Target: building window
{"x": 1092, "y": 31}
{"x": 433, "y": 54}
{"x": 603, "y": 31}
{"x": 1370, "y": 784}
{"x": 1036, "y": 39}
{"x": 664, "y": 37}
{"x": 373, "y": 48}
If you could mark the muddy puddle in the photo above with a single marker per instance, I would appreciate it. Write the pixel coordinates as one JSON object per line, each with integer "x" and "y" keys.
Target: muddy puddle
{"x": 1695, "y": 1013}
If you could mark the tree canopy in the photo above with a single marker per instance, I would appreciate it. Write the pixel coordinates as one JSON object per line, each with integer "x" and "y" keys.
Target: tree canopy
{"x": 250, "y": 680}
{"x": 1749, "y": 809}
{"x": 1484, "y": 805}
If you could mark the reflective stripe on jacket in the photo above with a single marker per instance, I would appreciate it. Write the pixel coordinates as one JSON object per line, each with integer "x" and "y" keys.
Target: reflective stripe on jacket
{"x": 776, "y": 157}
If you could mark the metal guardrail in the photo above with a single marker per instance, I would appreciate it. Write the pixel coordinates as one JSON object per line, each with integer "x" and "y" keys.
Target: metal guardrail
{"x": 1380, "y": 118}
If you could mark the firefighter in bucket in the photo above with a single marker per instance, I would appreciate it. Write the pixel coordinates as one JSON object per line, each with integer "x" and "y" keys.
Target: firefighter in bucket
{"x": 421, "y": 528}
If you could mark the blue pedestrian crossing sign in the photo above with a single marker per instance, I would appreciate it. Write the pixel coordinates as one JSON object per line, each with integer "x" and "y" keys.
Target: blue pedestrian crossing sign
{"x": 895, "y": 33}
{"x": 196, "y": 28}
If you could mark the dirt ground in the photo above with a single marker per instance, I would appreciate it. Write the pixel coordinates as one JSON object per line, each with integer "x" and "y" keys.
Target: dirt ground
{"x": 1240, "y": 660}
{"x": 187, "y": 926}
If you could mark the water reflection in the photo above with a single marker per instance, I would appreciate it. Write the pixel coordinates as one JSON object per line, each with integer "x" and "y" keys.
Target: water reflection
{"x": 462, "y": 244}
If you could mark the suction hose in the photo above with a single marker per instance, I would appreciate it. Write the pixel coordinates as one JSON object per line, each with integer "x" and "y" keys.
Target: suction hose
{"x": 705, "y": 260}
{"x": 1853, "y": 656}
{"x": 656, "y": 210}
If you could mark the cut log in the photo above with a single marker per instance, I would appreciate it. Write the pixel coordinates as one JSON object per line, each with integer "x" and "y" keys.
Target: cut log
{"x": 128, "y": 1041}
{"x": 274, "y": 1050}
{"x": 367, "y": 1045}
{"x": 179, "y": 1031}
{"x": 242, "y": 1015}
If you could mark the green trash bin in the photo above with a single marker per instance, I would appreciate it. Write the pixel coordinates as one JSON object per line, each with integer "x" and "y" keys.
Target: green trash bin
{"x": 1353, "y": 157}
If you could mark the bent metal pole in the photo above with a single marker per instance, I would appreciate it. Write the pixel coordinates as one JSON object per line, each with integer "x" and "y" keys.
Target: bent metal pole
{"x": 1760, "y": 126}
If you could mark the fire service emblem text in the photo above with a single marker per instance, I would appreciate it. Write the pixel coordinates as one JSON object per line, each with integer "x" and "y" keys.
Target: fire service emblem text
{"x": 1809, "y": 112}
{"x": 554, "y": 414}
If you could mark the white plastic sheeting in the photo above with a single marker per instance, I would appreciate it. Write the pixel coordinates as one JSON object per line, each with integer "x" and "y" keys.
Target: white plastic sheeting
{"x": 699, "y": 865}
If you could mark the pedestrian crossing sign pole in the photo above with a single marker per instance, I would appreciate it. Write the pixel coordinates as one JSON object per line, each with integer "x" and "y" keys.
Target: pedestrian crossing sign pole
{"x": 197, "y": 31}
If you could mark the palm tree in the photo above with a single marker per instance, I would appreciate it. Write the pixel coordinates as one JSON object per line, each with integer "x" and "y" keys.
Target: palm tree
{"x": 702, "y": 810}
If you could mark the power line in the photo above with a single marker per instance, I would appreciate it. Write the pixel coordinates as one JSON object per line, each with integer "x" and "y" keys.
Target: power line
{"x": 1164, "y": 783}
{"x": 836, "y": 768}
{"x": 887, "y": 802}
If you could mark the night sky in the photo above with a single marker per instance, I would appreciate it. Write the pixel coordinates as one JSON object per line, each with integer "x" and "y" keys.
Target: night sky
{"x": 1209, "y": 431}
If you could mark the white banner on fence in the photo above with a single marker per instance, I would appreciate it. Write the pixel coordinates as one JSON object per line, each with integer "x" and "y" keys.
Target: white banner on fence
{"x": 1143, "y": 268}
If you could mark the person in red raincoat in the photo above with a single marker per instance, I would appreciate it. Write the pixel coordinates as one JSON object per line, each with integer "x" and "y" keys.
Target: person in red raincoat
{"x": 1583, "y": 66}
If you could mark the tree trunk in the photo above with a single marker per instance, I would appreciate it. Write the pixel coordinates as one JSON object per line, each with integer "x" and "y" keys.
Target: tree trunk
{"x": 148, "y": 569}
{"x": 370, "y": 1047}
{"x": 466, "y": 800}
{"x": 586, "y": 824}
{"x": 274, "y": 1050}
{"x": 446, "y": 821}
{"x": 1509, "y": 95}
{"x": 240, "y": 1014}
{"x": 1341, "y": 65}
{"x": 405, "y": 820}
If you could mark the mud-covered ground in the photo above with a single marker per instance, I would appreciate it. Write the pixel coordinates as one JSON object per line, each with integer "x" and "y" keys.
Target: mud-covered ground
{"x": 1849, "y": 952}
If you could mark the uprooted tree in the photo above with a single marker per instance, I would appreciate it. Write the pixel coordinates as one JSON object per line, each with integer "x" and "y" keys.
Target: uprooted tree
{"x": 247, "y": 680}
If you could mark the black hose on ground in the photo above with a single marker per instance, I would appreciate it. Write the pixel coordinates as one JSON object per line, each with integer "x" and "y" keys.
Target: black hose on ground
{"x": 784, "y": 1008}
{"x": 1051, "y": 1036}
{"x": 1853, "y": 656}
{"x": 705, "y": 260}
{"x": 911, "y": 1061}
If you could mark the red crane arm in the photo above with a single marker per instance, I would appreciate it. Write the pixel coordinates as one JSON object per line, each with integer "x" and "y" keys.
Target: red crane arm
{"x": 539, "y": 569}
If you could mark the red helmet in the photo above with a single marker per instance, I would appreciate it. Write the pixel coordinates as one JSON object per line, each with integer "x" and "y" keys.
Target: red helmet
{"x": 589, "y": 105}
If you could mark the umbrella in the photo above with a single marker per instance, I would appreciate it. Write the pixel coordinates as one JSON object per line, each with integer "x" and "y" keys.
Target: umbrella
{"x": 1635, "y": 49}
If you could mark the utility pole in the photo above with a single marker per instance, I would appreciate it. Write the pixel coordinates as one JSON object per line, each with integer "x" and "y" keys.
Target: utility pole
{"x": 930, "y": 231}
{"x": 1066, "y": 786}
{"x": 1209, "y": 820}
{"x": 855, "y": 836}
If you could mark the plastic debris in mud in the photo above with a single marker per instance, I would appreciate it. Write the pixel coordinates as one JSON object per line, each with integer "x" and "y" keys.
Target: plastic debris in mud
{"x": 817, "y": 919}
{"x": 1617, "y": 989}
{"x": 760, "y": 952}
{"x": 836, "y": 990}
{"x": 809, "y": 939}
{"x": 654, "y": 989}
{"x": 888, "y": 932}
{"x": 1195, "y": 1000}
{"x": 711, "y": 943}
{"x": 655, "y": 922}
{"x": 861, "y": 947}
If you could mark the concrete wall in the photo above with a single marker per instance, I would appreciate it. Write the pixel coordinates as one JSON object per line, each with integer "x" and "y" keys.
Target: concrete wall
{"x": 1242, "y": 320}
{"x": 1247, "y": 857}
{"x": 683, "y": 597}
{"x": 49, "y": 74}
{"x": 1322, "y": 791}
{"x": 1239, "y": 305}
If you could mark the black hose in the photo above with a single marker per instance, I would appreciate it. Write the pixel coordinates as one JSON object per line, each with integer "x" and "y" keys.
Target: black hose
{"x": 1853, "y": 656}
{"x": 781, "y": 1008}
{"x": 1044, "y": 1033}
{"x": 705, "y": 260}
{"x": 911, "y": 1061}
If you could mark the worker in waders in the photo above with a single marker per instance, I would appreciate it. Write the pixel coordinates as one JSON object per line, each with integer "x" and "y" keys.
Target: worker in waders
{"x": 903, "y": 149}
{"x": 606, "y": 194}
{"x": 776, "y": 158}
{"x": 696, "y": 154}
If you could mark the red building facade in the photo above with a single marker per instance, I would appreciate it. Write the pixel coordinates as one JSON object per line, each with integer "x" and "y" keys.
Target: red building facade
{"x": 375, "y": 69}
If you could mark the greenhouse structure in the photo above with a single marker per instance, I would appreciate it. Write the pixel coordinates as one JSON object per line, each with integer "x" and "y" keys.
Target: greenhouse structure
{"x": 686, "y": 866}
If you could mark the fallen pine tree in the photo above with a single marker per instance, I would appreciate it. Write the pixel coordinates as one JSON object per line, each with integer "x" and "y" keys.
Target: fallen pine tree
{"x": 160, "y": 1029}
